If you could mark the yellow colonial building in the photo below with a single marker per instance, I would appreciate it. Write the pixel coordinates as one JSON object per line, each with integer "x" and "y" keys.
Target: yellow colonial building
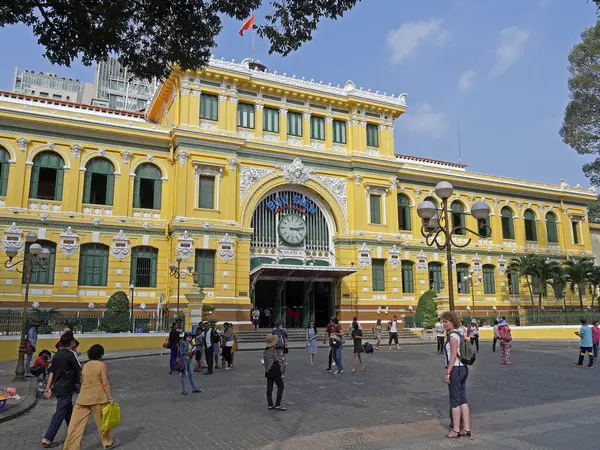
{"x": 278, "y": 191}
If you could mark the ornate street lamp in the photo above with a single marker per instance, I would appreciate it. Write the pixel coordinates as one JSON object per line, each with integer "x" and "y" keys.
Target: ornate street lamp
{"x": 34, "y": 260}
{"x": 178, "y": 273}
{"x": 471, "y": 280}
{"x": 438, "y": 230}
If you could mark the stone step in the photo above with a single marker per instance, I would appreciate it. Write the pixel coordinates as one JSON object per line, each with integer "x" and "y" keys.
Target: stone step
{"x": 296, "y": 335}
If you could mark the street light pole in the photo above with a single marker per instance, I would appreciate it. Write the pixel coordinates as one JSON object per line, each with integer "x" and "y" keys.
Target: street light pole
{"x": 176, "y": 272}
{"x": 437, "y": 228}
{"x": 132, "y": 291}
{"x": 35, "y": 259}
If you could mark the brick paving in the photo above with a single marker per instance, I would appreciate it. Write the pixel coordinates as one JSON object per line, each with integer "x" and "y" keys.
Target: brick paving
{"x": 400, "y": 402}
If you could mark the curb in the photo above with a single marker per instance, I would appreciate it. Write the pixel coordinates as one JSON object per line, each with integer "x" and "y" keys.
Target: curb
{"x": 26, "y": 405}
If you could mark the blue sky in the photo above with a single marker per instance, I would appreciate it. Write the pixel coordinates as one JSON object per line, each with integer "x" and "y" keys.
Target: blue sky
{"x": 497, "y": 70}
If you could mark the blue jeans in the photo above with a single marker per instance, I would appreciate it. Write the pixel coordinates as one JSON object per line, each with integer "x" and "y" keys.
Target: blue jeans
{"x": 64, "y": 410}
{"x": 596, "y": 345}
{"x": 337, "y": 357}
{"x": 28, "y": 364}
{"x": 189, "y": 369}
{"x": 173, "y": 358}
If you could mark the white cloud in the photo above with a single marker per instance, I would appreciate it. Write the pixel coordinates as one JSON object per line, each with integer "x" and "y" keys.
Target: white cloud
{"x": 424, "y": 120}
{"x": 405, "y": 40}
{"x": 510, "y": 49}
{"x": 466, "y": 80}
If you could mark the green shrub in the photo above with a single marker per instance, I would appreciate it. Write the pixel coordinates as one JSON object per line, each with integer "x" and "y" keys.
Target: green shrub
{"x": 116, "y": 318}
{"x": 427, "y": 310}
{"x": 208, "y": 313}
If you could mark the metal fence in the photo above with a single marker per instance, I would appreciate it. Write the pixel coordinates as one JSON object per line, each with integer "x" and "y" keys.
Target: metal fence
{"x": 560, "y": 318}
{"x": 53, "y": 321}
{"x": 482, "y": 321}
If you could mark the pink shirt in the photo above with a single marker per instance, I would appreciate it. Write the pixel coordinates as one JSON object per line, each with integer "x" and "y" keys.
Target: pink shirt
{"x": 595, "y": 334}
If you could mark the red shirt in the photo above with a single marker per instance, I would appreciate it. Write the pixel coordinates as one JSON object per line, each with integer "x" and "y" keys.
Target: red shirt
{"x": 595, "y": 334}
{"x": 40, "y": 362}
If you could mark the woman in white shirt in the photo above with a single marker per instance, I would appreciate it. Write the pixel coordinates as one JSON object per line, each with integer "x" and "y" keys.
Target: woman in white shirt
{"x": 456, "y": 377}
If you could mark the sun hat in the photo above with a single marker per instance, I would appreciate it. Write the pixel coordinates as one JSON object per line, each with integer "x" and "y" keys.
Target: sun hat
{"x": 188, "y": 333}
{"x": 271, "y": 340}
{"x": 473, "y": 321}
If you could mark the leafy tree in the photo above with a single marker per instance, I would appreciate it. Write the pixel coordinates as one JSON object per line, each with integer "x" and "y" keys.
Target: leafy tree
{"x": 594, "y": 281}
{"x": 526, "y": 267}
{"x": 577, "y": 272}
{"x": 427, "y": 309}
{"x": 116, "y": 318}
{"x": 581, "y": 124}
{"x": 151, "y": 35}
{"x": 207, "y": 313}
{"x": 594, "y": 211}
{"x": 558, "y": 283}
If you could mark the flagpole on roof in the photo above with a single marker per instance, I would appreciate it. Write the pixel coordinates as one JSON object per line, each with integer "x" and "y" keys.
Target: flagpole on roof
{"x": 252, "y": 44}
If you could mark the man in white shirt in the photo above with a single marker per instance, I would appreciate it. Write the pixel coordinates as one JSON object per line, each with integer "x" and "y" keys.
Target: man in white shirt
{"x": 393, "y": 329}
{"x": 439, "y": 333}
{"x": 496, "y": 335}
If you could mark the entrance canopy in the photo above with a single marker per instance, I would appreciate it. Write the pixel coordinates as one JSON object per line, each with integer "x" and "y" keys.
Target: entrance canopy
{"x": 291, "y": 272}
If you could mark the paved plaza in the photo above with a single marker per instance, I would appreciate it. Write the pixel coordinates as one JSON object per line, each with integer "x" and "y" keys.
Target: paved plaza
{"x": 399, "y": 402}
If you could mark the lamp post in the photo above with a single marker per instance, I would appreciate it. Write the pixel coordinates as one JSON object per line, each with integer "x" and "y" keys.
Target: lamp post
{"x": 471, "y": 280}
{"x": 438, "y": 230}
{"x": 178, "y": 274}
{"x": 34, "y": 260}
{"x": 132, "y": 291}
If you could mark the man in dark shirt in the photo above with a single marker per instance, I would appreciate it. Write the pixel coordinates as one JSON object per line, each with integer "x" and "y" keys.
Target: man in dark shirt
{"x": 63, "y": 379}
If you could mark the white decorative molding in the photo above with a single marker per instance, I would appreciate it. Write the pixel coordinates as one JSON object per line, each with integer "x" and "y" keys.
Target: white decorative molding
{"x": 23, "y": 144}
{"x": 149, "y": 157}
{"x": 476, "y": 266}
{"x": 44, "y": 206}
{"x": 306, "y": 116}
{"x": 206, "y": 125}
{"x": 531, "y": 245}
{"x": 13, "y": 238}
{"x": 337, "y": 187}
{"x": 372, "y": 151}
{"x": 76, "y": 149}
{"x": 381, "y": 127}
{"x": 101, "y": 151}
{"x": 421, "y": 261}
{"x": 222, "y": 98}
{"x": 120, "y": 248}
{"x": 196, "y": 93}
{"x": 126, "y": 157}
{"x": 185, "y": 92}
{"x": 511, "y": 243}
{"x": 295, "y": 141}
{"x": 226, "y": 250}
{"x": 296, "y": 172}
{"x": 44, "y": 218}
{"x": 317, "y": 145}
{"x": 271, "y": 137}
{"x": 97, "y": 221}
{"x": 201, "y": 169}
{"x": 246, "y": 134}
{"x": 339, "y": 148}
{"x": 502, "y": 265}
{"x": 97, "y": 211}
{"x": 185, "y": 245}
{"x": 146, "y": 225}
{"x": 68, "y": 242}
{"x": 258, "y": 107}
{"x": 249, "y": 176}
{"x": 91, "y": 305}
{"x": 364, "y": 255}
{"x": 377, "y": 190}
{"x": 183, "y": 157}
{"x": 394, "y": 185}
{"x": 394, "y": 257}
{"x": 283, "y": 111}
{"x": 357, "y": 179}
{"x": 232, "y": 164}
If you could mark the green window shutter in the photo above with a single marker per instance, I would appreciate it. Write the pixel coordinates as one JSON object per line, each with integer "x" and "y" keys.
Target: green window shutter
{"x": 294, "y": 124}
{"x": 435, "y": 276}
{"x": 513, "y": 288}
{"x": 403, "y": 213}
{"x": 136, "y": 192}
{"x": 35, "y": 179}
{"x": 207, "y": 192}
{"x": 58, "y": 187}
{"x": 317, "y": 128}
{"x": 489, "y": 285}
{"x": 375, "y": 201}
{"x": 551, "y": 229}
{"x": 153, "y": 269}
{"x": 575, "y": 228}
{"x": 205, "y": 267}
{"x": 44, "y": 276}
{"x": 144, "y": 262}
{"x": 245, "y": 116}
{"x": 209, "y": 107}
{"x": 87, "y": 186}
{"x": 407, "y": 277}
{"x": 461, "y": 272}
{"x": 93, "y": 265}
{"x": 4, "y": 168}
{"x": 372, "y": 135}
{"x": 339, "y": 131}
{"x": 110, "y": 189}
{"x": 157, "y": 193}
{"x": 507, "y": 224}
{"x": 271, "y": 120}
{"x": 378, "y": 274}
{"x": 530, "y": 226}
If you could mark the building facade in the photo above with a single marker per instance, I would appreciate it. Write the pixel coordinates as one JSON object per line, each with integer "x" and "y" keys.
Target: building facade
{"x": 278, "y": 191}
{"x": 47, "y": 85}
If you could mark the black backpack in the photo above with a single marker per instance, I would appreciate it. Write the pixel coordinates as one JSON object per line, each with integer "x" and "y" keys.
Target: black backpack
{"x": 367, "y": 347}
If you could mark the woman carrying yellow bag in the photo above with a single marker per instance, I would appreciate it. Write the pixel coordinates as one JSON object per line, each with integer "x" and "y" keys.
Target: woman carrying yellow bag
{"x": 94, "y": 396}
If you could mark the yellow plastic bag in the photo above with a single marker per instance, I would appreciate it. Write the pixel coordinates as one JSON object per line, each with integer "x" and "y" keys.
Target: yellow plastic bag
{"x": 111, "y": 416}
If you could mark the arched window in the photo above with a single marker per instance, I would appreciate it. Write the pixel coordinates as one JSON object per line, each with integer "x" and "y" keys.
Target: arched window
{"x": 462, "y": 271}
{"x": 45, "y": 276}
{"x": 508, "y": 231}
{"x": 435, "y": 276}
{"x": 47, "y": 176}
{"x": 489, "y": 282}
{"x": 403, "y": 212}
{"x": 408, "y": 285}
{"x": 458, "y": 216}
{"x": 144, "y": 262}
{"x": 483, "y": 227}
{"x": 530, "y": 231}
{"x": 551, "y": 229}
{"x": 93, "y": 265}
{"x": 4, "y": 168}
{"x": 99, "y": 182}
{"x": 432, "y": 200}
{"x": 513, "y": 282}
{"x": 147, "y": 187}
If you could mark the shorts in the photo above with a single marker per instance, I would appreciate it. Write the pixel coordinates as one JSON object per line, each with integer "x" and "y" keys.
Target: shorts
{"x": 198, "y": 355}
{"x": 457, "y": 389}
{"x": 394, "y": 337}
{"x": 255, "y": 321}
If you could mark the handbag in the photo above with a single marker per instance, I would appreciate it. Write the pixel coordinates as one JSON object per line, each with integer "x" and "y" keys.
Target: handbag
{"x": 166, "y": 343}
{"x": 334, "y": 342}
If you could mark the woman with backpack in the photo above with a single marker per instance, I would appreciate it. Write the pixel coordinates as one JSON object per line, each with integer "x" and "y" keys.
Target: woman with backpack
{"x": 456, "y": 376}
{"x": 505, "y": 339}
{"x": 358, "y": 349}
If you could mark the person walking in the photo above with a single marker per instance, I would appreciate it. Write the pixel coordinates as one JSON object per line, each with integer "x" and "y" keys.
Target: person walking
{"x": 439, "y": 333}
{"x": 377, "y": 332}
{"x": 31, "y": 342}
{"x": 274, "y": 367}
{"x": 75, "y": 341}
{"x": 336, "y": 342}
{"x": 208, "y": 347}
{"x": 234, "y": 349}
{"x": 95, "y": 394}
{"x": 198, "y": 347}
{"x": 461, "y": 328}
{"x": 456, "y": 377}
{"x": 282, "y": 342}
{"x": 255, "y": 317}
{"x": 495, "y": 328}
{"x": 505, "y": 338}
{"x": 586, "y": 344}
{"x": 311, "y": 342}
{"x": 227, "y": 345}
{"x": 215, "y": 336}
{"x": 328, "y": 331}
{"x": 473, "y": 333}
{"x": 186, "y": 352}
{"x": 174, "y": 338}
{"x": 63, "y": 379}
{"x": 358, "y": 349}
{"x": 393, "y": 329}
{"x": 595, "y": 338}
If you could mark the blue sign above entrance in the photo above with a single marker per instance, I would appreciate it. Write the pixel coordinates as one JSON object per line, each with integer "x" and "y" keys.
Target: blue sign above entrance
{"x": 298, "y": 202}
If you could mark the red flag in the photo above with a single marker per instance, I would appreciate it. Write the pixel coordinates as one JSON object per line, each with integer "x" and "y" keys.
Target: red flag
{"x": 248, "y": 25}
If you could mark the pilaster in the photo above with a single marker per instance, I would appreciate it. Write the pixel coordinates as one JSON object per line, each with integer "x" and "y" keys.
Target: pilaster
{"x": 283, "y": 124}
{"x": 328, "y": 132}
{"x": 194, "y": 107}
{"x": 306, "y": 128}
{"x": 184, "y": 106}
{"x": 258, "y": 120}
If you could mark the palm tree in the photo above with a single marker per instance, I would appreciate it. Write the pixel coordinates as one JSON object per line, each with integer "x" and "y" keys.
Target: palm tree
{"x": 544, "y": 270}
{"x": 558, "y": 283}
{"x": 526, "y": 267}
{"x": 594, "y": 281}
{"x": 577, "y": 273}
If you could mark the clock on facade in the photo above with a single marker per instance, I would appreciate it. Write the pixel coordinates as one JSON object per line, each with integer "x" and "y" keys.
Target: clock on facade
{"x": 292, "y": 229}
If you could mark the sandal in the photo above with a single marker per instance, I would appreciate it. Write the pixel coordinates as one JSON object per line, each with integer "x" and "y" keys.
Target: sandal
{"x": 453, "y": 434}
{"x": 465, "y": 433}
{"x": 50, "y": 444}
{"x": 115, "y": 442}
